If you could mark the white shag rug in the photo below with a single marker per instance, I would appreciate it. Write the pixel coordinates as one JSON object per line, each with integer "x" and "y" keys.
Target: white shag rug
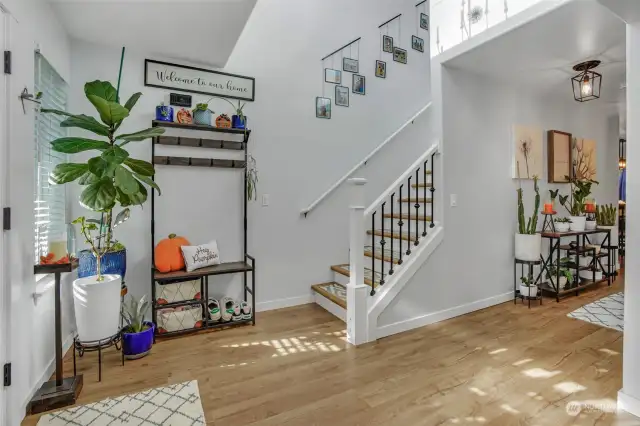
{"x": 175, "y": 405}
{"x": 606, "y": 312}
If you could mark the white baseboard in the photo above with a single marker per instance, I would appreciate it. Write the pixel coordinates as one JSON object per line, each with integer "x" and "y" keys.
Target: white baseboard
{"x": 270, "y": 305}
{"x": 421, "y": 321}
{"x": 330, "y": 306}
{"x": 628, "y": 403}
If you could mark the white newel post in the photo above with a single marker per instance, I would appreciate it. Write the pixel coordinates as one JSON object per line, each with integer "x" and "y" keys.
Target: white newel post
{"x": 357, "y": 291}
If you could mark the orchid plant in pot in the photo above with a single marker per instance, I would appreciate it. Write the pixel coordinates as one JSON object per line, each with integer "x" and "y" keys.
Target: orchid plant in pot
{"x": 528, "y": 241}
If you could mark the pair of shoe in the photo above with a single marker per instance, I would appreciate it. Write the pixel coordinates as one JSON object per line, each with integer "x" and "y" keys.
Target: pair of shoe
{"x": 228, "y": 310}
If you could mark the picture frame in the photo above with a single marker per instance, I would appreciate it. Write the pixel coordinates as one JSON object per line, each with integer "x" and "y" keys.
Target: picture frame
{"x": 381, "y": 69}
{"x": 424, "y": 21}
{"x": 350, "y": 65}
{"x": 342, "y": 96}
{"x": 559, "y": 156}
{"x": 387, "y": 44}
{"x": 399, "y": 55}
{"x": 358, "y": 84}
{"x": 332, "y": 76}
{"x": 323, "y": 107}
{"x": 417, "y": 43}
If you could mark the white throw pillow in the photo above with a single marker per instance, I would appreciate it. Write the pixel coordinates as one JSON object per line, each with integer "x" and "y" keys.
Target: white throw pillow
{"x": 196, "y": 257}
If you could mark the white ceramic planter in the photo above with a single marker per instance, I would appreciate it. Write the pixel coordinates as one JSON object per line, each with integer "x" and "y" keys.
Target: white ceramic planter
{"x": 531, "y": 291}
{"x": 528, "y": 247}
{"x": 578, "y": 223}
{"x": 561, "y": 227}
{"x": 588, "y": 275}
{"x": 590, "y": 225}
{"x": 97, "y": 307}
{"x": 561, "y": 282}
{"x": 585, "y": 260}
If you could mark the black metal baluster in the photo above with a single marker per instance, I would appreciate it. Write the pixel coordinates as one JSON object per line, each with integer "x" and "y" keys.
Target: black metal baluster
{"x": 433, "y": 189}
{"x": 417, "y": 206}
{"x": 373, "y": 255}
{"x": 424, "y": 201}
{"x": 409, "y": 216}
{"x": 382, "y": 243}
{"x": 400, "y": 223}
{"x": 392, "y": 219}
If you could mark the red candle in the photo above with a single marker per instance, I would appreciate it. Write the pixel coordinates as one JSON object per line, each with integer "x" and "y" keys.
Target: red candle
{"x": 548, "y": 207}
{"x": 590, "y": 207}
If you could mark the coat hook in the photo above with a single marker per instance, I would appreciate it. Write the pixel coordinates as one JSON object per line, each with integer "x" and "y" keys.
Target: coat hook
{"x": 26, "y": 96}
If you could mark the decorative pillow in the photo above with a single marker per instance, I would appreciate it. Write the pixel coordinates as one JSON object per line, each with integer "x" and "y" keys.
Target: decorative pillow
{"x": 196, "y": 257}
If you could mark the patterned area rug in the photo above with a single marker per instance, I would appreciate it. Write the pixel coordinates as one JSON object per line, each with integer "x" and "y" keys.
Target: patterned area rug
{"x": 175, "y": 405}
{"x": 606, "y": 312}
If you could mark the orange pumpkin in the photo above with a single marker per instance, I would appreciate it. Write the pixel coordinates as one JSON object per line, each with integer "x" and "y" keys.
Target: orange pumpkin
{"x": 167, "y": 254}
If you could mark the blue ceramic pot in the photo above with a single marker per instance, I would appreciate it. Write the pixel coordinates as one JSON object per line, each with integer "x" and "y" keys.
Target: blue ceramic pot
{"x": 112, "y": 263}
{"x": 164, "y": 113}
{"x": 137, "y": 345}
{"x": 237, "y": 123}
{"x": 202, "y": 117}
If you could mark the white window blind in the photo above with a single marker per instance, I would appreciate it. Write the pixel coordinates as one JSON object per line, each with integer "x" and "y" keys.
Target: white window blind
{"x": 50, "y": 203}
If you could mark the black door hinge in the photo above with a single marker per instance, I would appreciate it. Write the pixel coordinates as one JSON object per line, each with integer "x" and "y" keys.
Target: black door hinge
{"x": 7, "y": 62}
{"x": 7, "y": 374}
{"x": 6, "y": 218}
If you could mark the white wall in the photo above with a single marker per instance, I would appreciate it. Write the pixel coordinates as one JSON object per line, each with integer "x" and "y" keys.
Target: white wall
{"x": 31, "y": 330}
{"x": 474, "y": 262}
{"x": 298, "y": 155}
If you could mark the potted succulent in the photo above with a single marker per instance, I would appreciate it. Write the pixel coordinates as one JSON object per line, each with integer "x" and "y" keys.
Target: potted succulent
{"x": 164, "y": 112}
{"x": 137, "y": 336}
{"x": 562, "y": 224}
{"x": 202, "y": 114}
{"x": 528, "y": 288}
{"x": 112, "y": 177}
{"x": 528, "y": 242}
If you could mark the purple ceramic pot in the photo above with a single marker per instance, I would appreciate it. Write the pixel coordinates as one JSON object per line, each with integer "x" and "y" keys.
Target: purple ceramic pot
{"x": 138, "y": 345}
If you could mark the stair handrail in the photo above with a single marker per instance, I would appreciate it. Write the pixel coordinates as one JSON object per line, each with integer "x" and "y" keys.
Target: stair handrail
{"x": 350, "y": 173}
{"x": 394, "y": 186}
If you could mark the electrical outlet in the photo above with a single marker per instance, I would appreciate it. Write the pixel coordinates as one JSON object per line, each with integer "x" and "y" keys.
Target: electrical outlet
{"x": 454, "y": 200}
{"x": 265, "y": 200}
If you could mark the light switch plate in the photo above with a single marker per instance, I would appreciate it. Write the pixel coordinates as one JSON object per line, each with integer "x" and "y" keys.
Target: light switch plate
{"x": 265, "y": 200}
{"x": 454, "y": 200}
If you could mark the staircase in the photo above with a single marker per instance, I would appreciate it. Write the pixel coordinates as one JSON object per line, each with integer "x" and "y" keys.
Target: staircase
{"x": 388, "y": 242}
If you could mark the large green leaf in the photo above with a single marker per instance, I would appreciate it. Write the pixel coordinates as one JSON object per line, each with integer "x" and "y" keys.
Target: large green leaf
{"x": 142, "y": 134}
{"x": 82, "y": 121}
{"x": 99, "y": 196}
{"x": 134, "y": 199}
{"x": 101, "y": 89}
{"x": 67, "y": 172}
{"x": 75, "y": 145}
{"x": 88, "y": 178}
{"x": 139, "y": 166}
{"x": 124, "y": 181}
{"x": 148, "y": 181}
{"x": 101, "y": 167}
{"x": 110, "y": 112}
{"x": 132, "y": 101}
{"x": 115, "y": 155}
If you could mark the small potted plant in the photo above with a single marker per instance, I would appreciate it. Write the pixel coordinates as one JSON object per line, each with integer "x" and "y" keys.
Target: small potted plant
{"x": 114, "y": 261}
{"x": 574, "y": 202}
{"x": 164, "y": 112}
{"x": 562, "y": 224}
{"x": 590, "y": 223}
{"x": 565, "y": 276}
{"x": 202, "y": 114}
{"x": 528, "y": 242}
{"x": 137, "y": 336}
{"x": 528, "y": 288}
{"x": 238, "y": 120}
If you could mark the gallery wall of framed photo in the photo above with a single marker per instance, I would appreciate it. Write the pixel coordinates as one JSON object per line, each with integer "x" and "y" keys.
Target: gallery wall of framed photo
{"x": 343, "y": 73}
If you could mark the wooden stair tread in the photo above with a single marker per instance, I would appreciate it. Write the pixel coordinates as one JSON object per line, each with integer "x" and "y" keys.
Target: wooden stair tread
{"x": 406, "y": 216}
{"x": 378, "y": 255}
{"x": 344, "y": 270}
{"x": 333, "y": 291}
{"x": 414, "y": 200}
{"x": 421, "y": 185}
{"x": 405, "y": 236}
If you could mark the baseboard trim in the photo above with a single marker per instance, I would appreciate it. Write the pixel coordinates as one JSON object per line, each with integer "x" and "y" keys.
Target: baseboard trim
{"x": 270, "y": 305}
{"x": 421, "y": 321}
{"x": 628, "y": 403}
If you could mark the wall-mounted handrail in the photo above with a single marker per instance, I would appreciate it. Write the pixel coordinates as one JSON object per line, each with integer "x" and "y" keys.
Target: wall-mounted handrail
{"x": 362, "y": 163}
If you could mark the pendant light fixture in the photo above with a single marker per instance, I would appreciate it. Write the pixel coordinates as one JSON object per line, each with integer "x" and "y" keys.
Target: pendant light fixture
{"x": 587, "y": 84}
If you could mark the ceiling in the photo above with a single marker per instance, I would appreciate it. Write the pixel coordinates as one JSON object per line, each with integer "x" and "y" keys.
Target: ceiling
{"x": 628, "y": 10}
{"x": 200, "y": 31}
{"x": 541, "y": 53}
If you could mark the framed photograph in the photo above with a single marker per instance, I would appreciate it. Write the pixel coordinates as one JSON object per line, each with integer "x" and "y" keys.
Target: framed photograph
{"x": 342, "y": 96}
{"x": 387, "y": 44}
{"x": 358, "y": 84}
{"x": 424, "y": 21}
{"x": 381, "y": 69}
{"x": 332, "y": 76}
{"x": 323, "y": 107}
{"x": 417, "y": 44}
{"x": 558, "y": 156}
{"x": 350, "y": 65}
{"x": 399, "y": 55}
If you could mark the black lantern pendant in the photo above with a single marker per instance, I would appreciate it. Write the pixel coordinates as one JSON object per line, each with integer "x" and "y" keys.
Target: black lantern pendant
{"x": 587, "y": 84}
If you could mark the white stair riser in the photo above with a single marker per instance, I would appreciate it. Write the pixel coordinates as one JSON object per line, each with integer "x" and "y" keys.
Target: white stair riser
{"x": 330, "y": 306}
{"x": 340, "y": 279}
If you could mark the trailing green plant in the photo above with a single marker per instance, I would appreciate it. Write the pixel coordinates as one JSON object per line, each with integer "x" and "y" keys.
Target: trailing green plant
{"x": 134, "y": 312}
{"x": 562, "y": 220}
{"x": 606, "y": 215}
{"x": 532, "y": 222}
{"x": 252, "y": 178}
{"x": 111, "y": 177}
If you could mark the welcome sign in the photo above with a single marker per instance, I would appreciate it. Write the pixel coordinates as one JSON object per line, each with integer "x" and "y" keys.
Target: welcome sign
{"x": 198, "y": 80}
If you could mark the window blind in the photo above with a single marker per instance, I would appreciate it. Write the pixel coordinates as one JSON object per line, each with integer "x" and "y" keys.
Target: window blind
{"x": 50, "y": 206}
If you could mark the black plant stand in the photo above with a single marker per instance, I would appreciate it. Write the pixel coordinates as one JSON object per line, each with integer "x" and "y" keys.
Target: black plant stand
{"x": 516, "y": 293}
{"x": 97, "y": 345}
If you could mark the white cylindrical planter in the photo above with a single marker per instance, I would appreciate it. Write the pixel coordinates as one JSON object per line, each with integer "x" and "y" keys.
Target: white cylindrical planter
{"x": 561, "y": 227}
{"x": 530, "y": 291}
{"x": 578, "y": 223}
{"x": 590, "y": 225}
{"x": 528, "y": 247}
{"x": 97, "y": 307}
{"x": 588, "y": 275}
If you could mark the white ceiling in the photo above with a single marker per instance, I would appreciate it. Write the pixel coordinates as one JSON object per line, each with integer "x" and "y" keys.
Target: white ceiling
{"x": 200, "y": 31}
{"x": 541, "y": 53}
{"x": 629, "y": 10}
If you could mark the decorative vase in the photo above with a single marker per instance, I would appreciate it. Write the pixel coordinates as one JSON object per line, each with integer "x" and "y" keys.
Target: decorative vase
{"x": 578, "y": 223}
{"x": 529, "y": 291}
{"x": 237, "y": 122}
{"x": 202, "y": 117}
{"x": 562, "y": 281}
{"x": 528, "y": 247}
{"x": 561, "y": 227}
{"x": 164, "y": 113}
{"x": 590, "y": 225}
{"x": 138, "y": 345}
{"x": 112, "y": 263}
{"x": 97, "y": 307}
